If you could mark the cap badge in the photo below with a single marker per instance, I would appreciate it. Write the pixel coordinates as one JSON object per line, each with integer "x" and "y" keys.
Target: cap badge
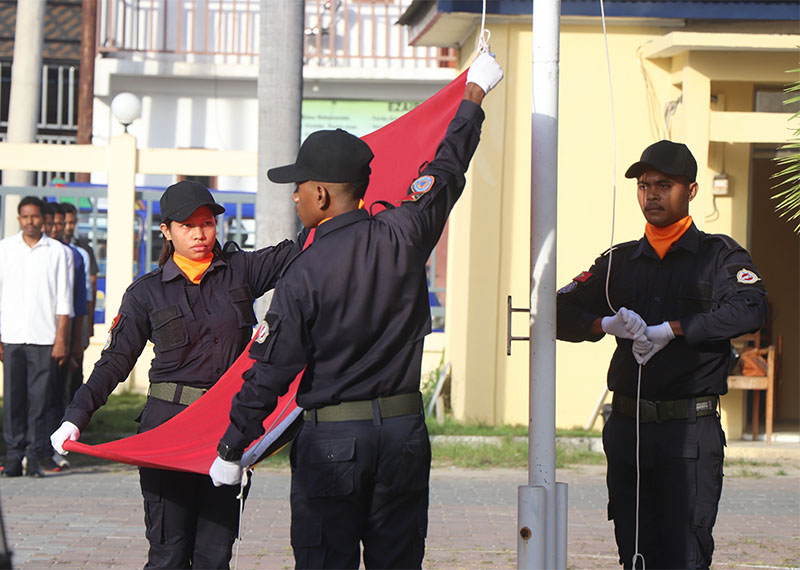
{"x": 747, "y": 276}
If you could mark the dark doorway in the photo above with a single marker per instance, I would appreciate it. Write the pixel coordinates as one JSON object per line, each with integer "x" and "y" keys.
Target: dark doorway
{"x": 776, "y": 250}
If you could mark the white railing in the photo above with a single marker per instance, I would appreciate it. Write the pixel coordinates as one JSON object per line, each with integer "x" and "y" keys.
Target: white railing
{"x": 337, "y": 33}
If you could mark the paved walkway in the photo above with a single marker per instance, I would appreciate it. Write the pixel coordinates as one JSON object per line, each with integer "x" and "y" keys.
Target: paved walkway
{"x": 91, "y": 517}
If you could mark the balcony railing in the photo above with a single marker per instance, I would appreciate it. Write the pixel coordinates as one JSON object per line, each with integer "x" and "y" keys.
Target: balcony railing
{"x": 337, "y": 33}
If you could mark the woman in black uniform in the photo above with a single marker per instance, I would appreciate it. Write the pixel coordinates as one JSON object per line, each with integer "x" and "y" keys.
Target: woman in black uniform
{"x": 197, "y": 309}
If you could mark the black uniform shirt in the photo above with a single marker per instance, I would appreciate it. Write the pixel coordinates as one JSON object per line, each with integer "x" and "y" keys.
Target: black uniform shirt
{"x": 198, "y": 329}
{"x": 353, "y": 307}
{"x": 707, "y": 282}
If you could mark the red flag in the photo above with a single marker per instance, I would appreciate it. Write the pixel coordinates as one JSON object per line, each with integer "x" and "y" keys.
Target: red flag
{"x": 405, "y": 144}
{"x": 188, "y": 442}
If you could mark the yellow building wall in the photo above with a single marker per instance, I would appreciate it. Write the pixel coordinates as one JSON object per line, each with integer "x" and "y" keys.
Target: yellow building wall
{"x": 490, "y": 226}
{"x": 489, "y": 244}
{"x": 587, "y": 179}
{"x": 473, "y": 269}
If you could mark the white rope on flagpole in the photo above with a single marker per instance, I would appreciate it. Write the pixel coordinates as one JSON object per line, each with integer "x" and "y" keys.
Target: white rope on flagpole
{"x": 636, "y": 554}
{"x": 485, "y": 35}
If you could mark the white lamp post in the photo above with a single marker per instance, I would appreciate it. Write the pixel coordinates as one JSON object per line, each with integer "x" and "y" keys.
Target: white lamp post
{"x": 126, "y": 107}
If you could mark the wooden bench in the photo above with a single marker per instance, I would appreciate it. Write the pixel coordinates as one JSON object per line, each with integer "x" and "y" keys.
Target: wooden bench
{"x": 758, "y": 383}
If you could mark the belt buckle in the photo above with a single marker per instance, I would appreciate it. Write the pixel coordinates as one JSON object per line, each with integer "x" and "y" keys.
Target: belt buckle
{"x": 705, "y": 406}
{"x": 648, "y": 412}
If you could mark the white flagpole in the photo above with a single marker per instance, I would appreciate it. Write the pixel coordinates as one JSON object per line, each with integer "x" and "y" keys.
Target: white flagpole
{"x": 543, "y": 503}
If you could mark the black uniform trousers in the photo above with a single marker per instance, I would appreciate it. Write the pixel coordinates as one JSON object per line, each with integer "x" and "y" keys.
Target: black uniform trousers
{"x": 57, "y": 398}
{"x": 189, "y": 522}
{"x": 27, "y": 373}
{"x": 680, "y": 488}
{"x": 360, "y": 481}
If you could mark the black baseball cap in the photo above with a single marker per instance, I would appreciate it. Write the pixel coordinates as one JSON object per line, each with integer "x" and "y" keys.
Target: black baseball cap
{"x": 180, "y": 200}
{"x": 327, "y": 156}
{"x": 668, "y": 157}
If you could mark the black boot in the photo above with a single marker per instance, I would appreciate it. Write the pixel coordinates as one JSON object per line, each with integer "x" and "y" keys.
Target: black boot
{"x": 12, "y": 468}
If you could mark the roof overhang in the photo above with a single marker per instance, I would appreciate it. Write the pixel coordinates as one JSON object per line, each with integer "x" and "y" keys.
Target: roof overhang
{"x": 678, "y": 42}
{"x": 447, "y": 23}
{"x": 427, "y": 26}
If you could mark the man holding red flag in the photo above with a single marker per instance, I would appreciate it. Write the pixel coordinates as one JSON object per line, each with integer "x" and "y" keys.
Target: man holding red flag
{"x": 353, "y": 310}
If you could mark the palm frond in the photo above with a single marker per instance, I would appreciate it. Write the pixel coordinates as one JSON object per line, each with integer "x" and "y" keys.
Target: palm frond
{"x": 788, "y": 187}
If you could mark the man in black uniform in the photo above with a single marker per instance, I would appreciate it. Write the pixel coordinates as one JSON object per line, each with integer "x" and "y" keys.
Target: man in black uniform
{"x": 353, "y": 310}
{"x": 694, "y": 292}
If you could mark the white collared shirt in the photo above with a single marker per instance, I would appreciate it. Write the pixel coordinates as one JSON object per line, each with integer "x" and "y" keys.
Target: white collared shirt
{"x": 35, "y": 287}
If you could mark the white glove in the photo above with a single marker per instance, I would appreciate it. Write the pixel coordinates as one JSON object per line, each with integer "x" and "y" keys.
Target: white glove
{"x": 67, "y": 430}
{"x": 641, "y": 346}
{"x": 485, "y": 72}
{"x": 625, "y": 324}
{"x": 659, "y": 336}
{"x": 225, "y": 472}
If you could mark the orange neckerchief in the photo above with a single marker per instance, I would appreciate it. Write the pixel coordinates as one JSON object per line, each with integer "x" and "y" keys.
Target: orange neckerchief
{"x": 662, "y": 238}
{"x": 360, "y": 207}
{"x": 192, "y": 269}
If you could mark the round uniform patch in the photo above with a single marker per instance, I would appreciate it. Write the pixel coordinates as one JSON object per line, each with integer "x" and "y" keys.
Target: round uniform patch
{"x": 422, "y": 184}
{"x": 568, "y": 287}
{"x": 419, "y": 187}
{"x": 262, "y": 333}
{"x": 747, "y": 276}
{"x": 110, "y": 337}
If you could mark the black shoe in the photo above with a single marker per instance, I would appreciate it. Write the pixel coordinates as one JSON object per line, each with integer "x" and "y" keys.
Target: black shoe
{"x": 12, "y": 469}
{"x": 32, "y": 468}
{"x": 47, "y": 465}
{"x": 60, "y": 461}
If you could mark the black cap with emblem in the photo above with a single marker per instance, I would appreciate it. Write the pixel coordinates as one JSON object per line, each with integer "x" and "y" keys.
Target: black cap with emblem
{"x": 327, "y": 156}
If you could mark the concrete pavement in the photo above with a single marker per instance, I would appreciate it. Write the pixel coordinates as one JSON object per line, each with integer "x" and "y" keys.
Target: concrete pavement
{"x": 91, "y": 517}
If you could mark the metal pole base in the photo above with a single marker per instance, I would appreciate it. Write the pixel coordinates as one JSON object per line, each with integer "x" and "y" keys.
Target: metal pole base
{"x": 531, "y": 527}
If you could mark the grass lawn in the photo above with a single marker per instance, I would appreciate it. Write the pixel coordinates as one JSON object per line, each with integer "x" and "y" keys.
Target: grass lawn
{"x": 505, "y": 445}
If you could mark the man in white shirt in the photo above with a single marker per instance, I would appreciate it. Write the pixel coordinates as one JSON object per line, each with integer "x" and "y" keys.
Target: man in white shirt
{"x": 35, "y": 312}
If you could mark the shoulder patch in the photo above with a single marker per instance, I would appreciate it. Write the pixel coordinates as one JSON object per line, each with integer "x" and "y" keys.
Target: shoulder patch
{"x": 419, "y": 188}
{"x": 747, "y": 276}
{"x": 582, "y": 277}
{"x": 110, "y": 338}
{"x": 567, "y": 288}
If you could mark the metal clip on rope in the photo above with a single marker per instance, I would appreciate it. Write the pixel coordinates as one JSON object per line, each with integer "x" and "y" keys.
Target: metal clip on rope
{"x": 246, "y": 473}
{"x": 483, "y": 42}
{"x": 483, "y": 38}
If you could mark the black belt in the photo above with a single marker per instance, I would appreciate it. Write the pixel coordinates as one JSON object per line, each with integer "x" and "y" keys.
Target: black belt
{"x": 175, "y": 393}
{"x": 664, "y": 411}
{"x": 388, "y": 407}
